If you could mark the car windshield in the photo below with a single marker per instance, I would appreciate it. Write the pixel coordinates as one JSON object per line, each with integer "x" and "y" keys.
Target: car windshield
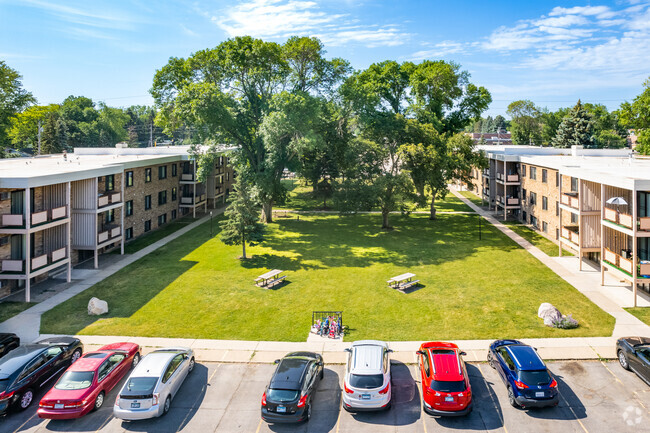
{"x": 366, "y": 381}
{"x": 75, "y": 380}
{"x": 141, "y": 385}
{"x": 448, "y": 386}
{"x": 95, "y": 355}
{"x": 282, "y": 395}
{"x": 534, "y": 377}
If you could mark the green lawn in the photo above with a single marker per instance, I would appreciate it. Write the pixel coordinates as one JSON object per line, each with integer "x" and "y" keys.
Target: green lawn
{"x": 641, "y": 313}
{"x": 156, "y": 235}
{"x": 195, "y": 287}
{"x": 10, "y": 309}
{"x": 472, "y": 197}
{"x": 548, "y": 247}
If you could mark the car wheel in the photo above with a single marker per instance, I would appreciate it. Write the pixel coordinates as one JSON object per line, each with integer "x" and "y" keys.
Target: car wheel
{"x": 388, "y": 406}
{"x": 136, "y": 360}
{"x": 168, "y": 403}
{"x": 26, "y": 399}
{"x": 490, "y": 360}
{"x": 622, "y": 359}
{"x": 75, "y": 356}
{"x": 511, "y": 398}
{"x": 322, "y": 374}
{"x": 99, "y": 401}
{"x": 191, "y": 366}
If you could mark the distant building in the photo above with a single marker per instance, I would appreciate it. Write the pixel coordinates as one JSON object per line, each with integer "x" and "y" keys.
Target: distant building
{"x": 491, "y": 138}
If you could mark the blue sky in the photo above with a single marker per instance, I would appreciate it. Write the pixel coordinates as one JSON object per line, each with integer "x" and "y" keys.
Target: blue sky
{"x": 552, "y": 52}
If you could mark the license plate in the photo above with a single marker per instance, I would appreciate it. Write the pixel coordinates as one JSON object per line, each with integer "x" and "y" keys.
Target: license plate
{"x": 135, "y": 405}
{"x": 449, "y": 398}
{"x": 281, "y": 409}
{"x": 539, "y": 394}
{"x": 365, "y": 396}
{"x": 58, "y": 406}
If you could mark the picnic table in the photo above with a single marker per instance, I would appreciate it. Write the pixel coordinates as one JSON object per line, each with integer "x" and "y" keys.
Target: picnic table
{"x": 403, "y": 281}
{"x": 270, "y": 279}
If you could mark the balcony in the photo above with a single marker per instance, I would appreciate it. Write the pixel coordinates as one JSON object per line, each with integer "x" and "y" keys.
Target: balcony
{"x": 36, "y": 218}
{"x": 108, "y": 199}
{"x": 644, "y": 224}
{"x": 621, "y": 262}
{"x": 486, "y": 173}
{"x": 509, "y": 201}
{"x": 572, "y": 234}
{"x": 619, "y": 218}
{"x": 108, "y": 234}
{"x": 570, "y": 199}
{"x": 13, "y": 220}
{"x": 187, "y": 177}
{"x": 508, "y": 177}
{"x": 193, "y": 200}
{"x": 12, "y": 266}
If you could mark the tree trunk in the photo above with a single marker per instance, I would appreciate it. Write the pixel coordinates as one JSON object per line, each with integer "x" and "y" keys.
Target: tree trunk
{"x": 384, "y": 219}
{"x": 243, "y": 246}
{"x": 432, "y": 214}
{"x": 267, "y": 212}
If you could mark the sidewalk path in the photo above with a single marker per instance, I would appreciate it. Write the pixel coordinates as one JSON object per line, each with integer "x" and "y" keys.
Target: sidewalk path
{"x": 27, "y": 324}
{"x": 587, "y": 281}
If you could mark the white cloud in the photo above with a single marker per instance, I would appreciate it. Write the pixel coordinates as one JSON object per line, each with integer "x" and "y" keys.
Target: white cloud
{"x": 87, "y": 14}
{"x": 282, "y": 18}
{"x": 598, "y": 11}
{"x": 439, "y": 50}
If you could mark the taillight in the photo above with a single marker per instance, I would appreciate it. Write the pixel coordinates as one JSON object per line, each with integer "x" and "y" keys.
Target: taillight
{"x": 347, "y": 390}
{"x": 302, "y": 401}
{"x": 521, "y": 385}
{"x": 117, "y": 400}
{"x": 156, "y": 396}
{"x": 264, "y": 399}
{"x": 385, "y": 390}
{"x": 74, "y": 405}
{"x": 46, "y": 404}
{"x": 6, "y": 396}
{"x": 553, "y": 384}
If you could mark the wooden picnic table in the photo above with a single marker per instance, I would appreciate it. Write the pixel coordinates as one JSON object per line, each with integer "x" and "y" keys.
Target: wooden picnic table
{"x": 270, "y": 278}
{"x": 403, "y": 281}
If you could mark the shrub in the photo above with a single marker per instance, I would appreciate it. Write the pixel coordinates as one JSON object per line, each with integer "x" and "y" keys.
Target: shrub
{"x": 566, "y": 322}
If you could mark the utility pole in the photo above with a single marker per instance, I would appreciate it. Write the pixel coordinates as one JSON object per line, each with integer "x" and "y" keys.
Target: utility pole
{"x": 40, "y": 129}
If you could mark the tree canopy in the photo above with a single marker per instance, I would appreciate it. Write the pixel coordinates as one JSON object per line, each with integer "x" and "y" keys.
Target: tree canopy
{"x": 13, "y": 99}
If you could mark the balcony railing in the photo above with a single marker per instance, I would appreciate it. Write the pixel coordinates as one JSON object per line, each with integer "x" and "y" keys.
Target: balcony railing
{"x": 644, "y": 223}
{"x": 193, "y": 200}
{"x": 571, "y": 235}
{"x": 109, "y": 198}
{"x": 36, "y": 218}
{"x": 12, "y": 265}
{"x": 509, "y": 201}
{"x": 619, "y": 218}
{"x": 185, "y": 177}
{"x": 621, "y": 262}
{"x": 39, "y": 262}
{"x": 508, "y": 177}
{"x": 570, "y": 200}
{"x": 108, "y": 234}
{"x": 12, "y": 220}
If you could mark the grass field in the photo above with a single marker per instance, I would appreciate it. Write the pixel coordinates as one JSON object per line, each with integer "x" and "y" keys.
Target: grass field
{"x": 156, "y": 235}
{"x": 641, "y": 313}
{"x": 548, "y": 247}
{"x": 195, "y": 286}
{"x": 471, "y": 197}
{"x": 10, "y": 309}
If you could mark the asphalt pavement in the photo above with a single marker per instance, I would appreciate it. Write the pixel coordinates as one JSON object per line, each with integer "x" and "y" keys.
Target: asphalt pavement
{"x": 596, "y": 397}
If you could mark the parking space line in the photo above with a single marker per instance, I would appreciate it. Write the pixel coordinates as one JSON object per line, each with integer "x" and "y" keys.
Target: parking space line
{"x": 615, "y": 376}
{"x": 494, "y": 403}
{"x": 634, "y": 393}
{"x": 105, "y": 422}
{"x": 573, "y": 412}
{"x": 23, "y": 424}
{"x": 259, "y": 426}
{"x": 338, "y": 420}
{"x": 205, "y": 387}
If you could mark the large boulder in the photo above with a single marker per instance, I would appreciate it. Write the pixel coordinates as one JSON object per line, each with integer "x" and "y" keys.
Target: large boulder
{"x": 549, "y": 314}
{"x": 97, "y": 306}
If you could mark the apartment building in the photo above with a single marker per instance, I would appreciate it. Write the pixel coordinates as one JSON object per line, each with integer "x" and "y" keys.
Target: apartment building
{"x": 593, "y": 202}
{"x": 60, "y": 210}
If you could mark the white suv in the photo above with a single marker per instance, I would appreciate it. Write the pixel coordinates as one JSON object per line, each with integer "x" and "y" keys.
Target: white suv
{"x": 367, "y": 376}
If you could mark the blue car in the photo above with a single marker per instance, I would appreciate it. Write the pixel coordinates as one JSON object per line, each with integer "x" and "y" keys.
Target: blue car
{"x": 524, "y": 373}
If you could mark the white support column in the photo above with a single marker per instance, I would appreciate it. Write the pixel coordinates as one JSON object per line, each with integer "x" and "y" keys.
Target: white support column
{"x": 122, "y": 209}
{"x": 560, "y": 216}
{"x": 194, "y": 190}
{"x": 634, "y": 243}
{"x": 602, "y": 234}
{"x": 28, "y": 239}
{"x": 95, "y": 227}
{"x": 580, "y": 196}
{"x": 68, "y": 205}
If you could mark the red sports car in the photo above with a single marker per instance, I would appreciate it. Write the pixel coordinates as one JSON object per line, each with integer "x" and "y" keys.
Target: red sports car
{"x": 445, "y": 383}
{"x": 84, "y": 385}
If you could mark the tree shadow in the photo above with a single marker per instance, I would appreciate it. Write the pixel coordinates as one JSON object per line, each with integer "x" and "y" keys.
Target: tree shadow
{"x": 273, "y": 261}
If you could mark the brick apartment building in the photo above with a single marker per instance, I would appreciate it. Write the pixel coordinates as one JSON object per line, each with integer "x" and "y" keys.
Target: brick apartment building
{"x": 563, "y": 194}
{"x": 57, "y": 211}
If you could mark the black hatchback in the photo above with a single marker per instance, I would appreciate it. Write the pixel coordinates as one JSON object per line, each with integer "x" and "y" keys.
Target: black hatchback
{"x": 29, "y": 368}
{"x": 288, "y": 398}
{"x": 634, "y": 354}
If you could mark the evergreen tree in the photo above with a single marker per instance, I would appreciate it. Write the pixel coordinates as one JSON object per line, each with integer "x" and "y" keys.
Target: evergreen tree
{"x": 242, "y": 218}
{"x": 500, "y": 123}
{"x": 576, "y": 129}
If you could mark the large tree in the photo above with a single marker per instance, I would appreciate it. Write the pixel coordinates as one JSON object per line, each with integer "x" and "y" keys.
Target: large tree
{"x": 636, "y": 115}
{"x": 242, "y": 223}
{"x": 24, "y": 125}
{"x": 13, "y": 99}
{"x": 526, "y": 125}
{"x": 576, "y": 129}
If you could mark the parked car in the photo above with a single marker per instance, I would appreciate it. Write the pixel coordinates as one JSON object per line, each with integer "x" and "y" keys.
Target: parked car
{"x": 446, "y": 390}
{"x": 8, "y": 342}
{"x": 84, "y": 385}
{"x": 522, "y": 370}
{"x": 28, "y": 369}
{"x": 367, "y": 376}
{"x": 289, "y": 396}
{"x": 151, "y": 386}
{"x": 634, "y": 354}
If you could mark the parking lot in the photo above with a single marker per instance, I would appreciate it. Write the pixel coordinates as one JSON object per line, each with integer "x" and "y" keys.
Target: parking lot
{"x": 595, "y": 397}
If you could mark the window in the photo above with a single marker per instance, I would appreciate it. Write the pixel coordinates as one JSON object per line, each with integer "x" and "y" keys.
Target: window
{"x": 129, "y": 178}
{"x": 557, "y": 179}
{"x": 523, "y": 215}
{"x": 533, "y": 198}
{"x": 533, "y": 173}
{"x": 173, "y": 216}
{"x": 129, "y": 233}
{"x": 574, "y": 184}
{"x": 227, "y": 176}
{"x": 574, "y": 218}
{"x": 52, "y": 353}
{"x": 110, "y": 182}
{"x": 162, "y": 198}
{"x": 162, "y": 172}
{"x": 544, "y": 226}
{"x": 110, "y": 216}
{"x": 557, "y": 208}
{"x": 544, "y": 175}
{"x": 523, "y": 194}
{"x": 220, "y": 160}
{"x": 506, "y": 357}
{"x": 523, "y": 170}
{"x": 425, "y": 361}
{"x": 32, "y": 367}
{"x": 174, "y": 170}
{"x": 533, "y": 221}
{"x": 129, "y": 208}
{"x": 147, "y": 202}
{"x": 147, "y": 225}
{"x": 544, "y": 203}
{"x": 172, "y": 367}
{"x": 147, "y": 175}
{"x": 162, "y": 219}
{"x": 174, "y": 194}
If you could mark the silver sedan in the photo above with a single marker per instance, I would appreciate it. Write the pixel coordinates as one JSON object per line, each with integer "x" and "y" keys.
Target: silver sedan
{"x": 153, "y": 383}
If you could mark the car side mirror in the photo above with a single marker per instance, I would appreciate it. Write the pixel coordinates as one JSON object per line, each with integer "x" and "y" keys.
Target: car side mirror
{"x": 277, "y": 361}
{"x": 463, "y": 353}
{"x": 348, "y": 350}
{"x": 419, "y": 352}
{"x": 389, "y": 350}
{"x": 321, "y": 363}
{"x": 535, "y": 349}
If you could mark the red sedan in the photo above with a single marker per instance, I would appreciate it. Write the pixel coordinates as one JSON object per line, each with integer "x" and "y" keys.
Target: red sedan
{"x": 445, "y": 383}
{"x": 84, "y": 385}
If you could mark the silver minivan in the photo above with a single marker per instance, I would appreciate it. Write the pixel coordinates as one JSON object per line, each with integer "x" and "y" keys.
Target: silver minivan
{"x": 153, "y": 383}
{"x": 367, "y": 382}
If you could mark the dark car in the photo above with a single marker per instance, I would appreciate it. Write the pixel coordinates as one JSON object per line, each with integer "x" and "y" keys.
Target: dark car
{"x": 8, "y": 342}
{"x": 634, "y": 354}
{"x": 30, "y": 368}
{"x": 288, "y": 398}
{"x": 529, "y": 382}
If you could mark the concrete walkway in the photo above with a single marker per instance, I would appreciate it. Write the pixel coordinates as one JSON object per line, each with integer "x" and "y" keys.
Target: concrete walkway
{"x": 27, "y": 324}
